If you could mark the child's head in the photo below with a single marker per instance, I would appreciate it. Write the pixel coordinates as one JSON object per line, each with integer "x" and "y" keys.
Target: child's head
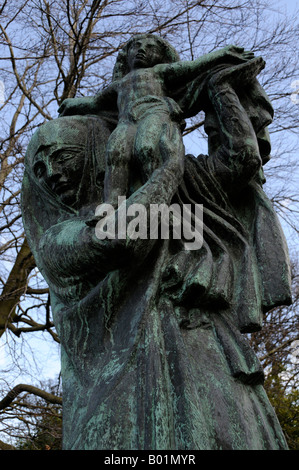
{"x": 154, "y": 49}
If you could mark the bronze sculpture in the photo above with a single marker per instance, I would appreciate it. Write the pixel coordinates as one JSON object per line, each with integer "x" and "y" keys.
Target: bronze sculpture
{"x": 153, "y": 352}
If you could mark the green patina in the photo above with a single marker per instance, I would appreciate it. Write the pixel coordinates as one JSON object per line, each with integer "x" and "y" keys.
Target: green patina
{"x": 152, "y": 346}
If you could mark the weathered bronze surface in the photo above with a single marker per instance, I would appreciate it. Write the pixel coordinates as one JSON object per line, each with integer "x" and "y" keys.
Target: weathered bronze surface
{"x": 152, "y": 334}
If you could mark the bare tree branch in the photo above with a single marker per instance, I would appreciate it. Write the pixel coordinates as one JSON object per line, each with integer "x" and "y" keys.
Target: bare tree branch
{"x": 8, "y": 399}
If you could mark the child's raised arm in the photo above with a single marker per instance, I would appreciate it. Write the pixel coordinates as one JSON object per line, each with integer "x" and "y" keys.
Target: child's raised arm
{"x": 189, "y": 70}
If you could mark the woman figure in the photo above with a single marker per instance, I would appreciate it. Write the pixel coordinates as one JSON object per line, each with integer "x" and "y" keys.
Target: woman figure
{"x": 152, "y": 351}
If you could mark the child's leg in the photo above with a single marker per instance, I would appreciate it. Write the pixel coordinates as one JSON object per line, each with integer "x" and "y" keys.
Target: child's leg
{"x": 148, "y": 151}
{"x": 118, "y": 156}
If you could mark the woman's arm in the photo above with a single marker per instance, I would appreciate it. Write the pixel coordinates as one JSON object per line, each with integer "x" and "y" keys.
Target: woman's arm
{"x": 233, "y": 143}
{"x": 71, "y": 248}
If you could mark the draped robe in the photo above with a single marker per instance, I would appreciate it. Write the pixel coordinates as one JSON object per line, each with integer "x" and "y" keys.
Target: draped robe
{"x": 153, "y": 349}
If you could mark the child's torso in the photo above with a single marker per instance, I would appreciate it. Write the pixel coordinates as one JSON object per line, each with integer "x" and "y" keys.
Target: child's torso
{"x": 136, "y": 85}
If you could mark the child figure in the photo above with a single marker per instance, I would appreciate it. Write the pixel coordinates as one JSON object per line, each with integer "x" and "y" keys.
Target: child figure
{"x": 146, "y": 75}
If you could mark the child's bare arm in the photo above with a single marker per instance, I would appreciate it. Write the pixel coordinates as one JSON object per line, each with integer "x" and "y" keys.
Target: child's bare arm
{"x": 105, "y": 100}
{"x": 189, "y": 70}
{"x": 84, "y": 105}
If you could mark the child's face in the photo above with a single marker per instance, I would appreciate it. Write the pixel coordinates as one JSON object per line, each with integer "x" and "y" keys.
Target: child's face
{"x": 144, "y": 53}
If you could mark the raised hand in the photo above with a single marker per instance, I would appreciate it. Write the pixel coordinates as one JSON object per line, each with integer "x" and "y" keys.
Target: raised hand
{"x": 238, "y": 54}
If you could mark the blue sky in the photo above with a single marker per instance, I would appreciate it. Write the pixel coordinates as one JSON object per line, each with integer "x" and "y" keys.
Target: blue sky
{"x": 49, "y": 356}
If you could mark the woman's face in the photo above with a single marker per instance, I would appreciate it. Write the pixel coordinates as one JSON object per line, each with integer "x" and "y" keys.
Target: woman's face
{"x": 57, "y": 155}
{"x": 61, "y": 170}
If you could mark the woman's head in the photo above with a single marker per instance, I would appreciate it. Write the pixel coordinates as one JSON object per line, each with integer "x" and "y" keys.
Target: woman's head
{"x": 66, "y": 156}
